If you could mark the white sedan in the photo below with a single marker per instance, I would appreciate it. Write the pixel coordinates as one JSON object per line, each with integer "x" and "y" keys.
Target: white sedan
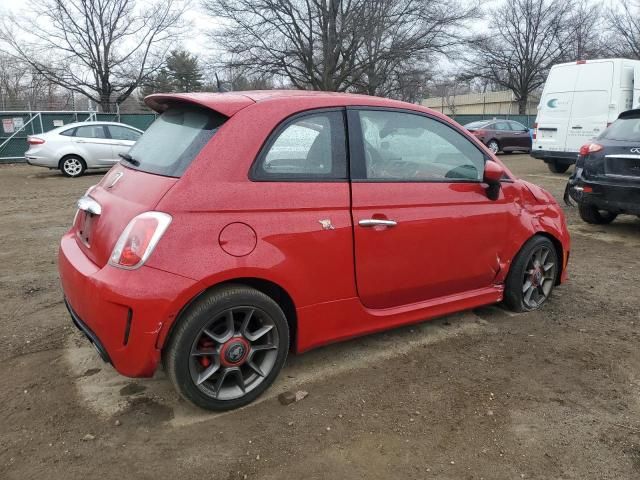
{"x": 77, "y": 147}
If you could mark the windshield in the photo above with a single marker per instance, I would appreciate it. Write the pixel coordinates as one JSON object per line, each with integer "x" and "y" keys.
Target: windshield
{"x": 624, "y": 129}
{"x": 478, "y": 124}
{"x": 172, "y": 142}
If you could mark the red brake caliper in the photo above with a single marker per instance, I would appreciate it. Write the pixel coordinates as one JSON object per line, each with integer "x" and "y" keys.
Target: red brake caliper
{"x": 203, "y": 345}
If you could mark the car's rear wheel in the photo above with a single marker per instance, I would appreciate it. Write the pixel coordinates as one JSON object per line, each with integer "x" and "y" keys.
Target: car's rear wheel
{"x": 592, "y": 214}
{"x": 72, "y": 166}
{"x": 532, "y": 275}
{"x": 493, "y": 146}
{"x": 227, "y": 348}
{"x": 557, "y": 167}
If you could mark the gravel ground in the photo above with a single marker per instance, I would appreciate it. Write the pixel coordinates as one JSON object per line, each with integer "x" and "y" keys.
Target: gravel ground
{"x": 553, "y": 394}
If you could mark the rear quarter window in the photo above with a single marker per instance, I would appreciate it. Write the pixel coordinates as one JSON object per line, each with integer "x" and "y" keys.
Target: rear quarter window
{"x": 171, "y": 143}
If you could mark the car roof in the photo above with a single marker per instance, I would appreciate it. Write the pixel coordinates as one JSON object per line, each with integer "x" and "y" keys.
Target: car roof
{"x": 99, "y": 122}
{"x": 229, "y": 103}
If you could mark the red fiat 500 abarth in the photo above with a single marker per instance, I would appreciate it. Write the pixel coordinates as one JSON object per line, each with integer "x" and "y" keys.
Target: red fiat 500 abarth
{"x": 243, "y": 225}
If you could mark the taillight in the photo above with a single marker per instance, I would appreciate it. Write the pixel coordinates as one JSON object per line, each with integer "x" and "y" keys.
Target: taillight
{"x": 478, "y": 133}
{"x": 35, "y": 141}
{"x": 139, "y": 239}
{"x": 534, "y": 135}
{"x": 590, "y": 148}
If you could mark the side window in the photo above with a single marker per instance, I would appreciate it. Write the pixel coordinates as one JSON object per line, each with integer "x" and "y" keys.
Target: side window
{"x": 503, "y": 126}
{"x": 91, "y": 131}
{"x": 518, "y": 127}
{"x": 68, "y": 132}
{"x": 409, "y": 147}
{"x": 311, "y": 147}
{"x": 123, "y": 133}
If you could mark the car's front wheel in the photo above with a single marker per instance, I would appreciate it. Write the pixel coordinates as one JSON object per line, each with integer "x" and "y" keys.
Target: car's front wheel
{"x": 72, "y": 166}
{"x": 532, "y": 275}
{"x": 591, "y": 214}
{"x": 227, "y": 348}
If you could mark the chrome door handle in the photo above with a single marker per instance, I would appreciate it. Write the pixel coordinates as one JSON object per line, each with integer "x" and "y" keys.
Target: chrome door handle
{"x": 373, "y": 222}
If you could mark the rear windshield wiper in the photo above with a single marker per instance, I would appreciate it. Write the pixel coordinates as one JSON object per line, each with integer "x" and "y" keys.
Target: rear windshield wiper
{"x": 130, "y": 159}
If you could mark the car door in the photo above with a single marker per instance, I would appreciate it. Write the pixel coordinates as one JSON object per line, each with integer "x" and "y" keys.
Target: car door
{"x": 122, "y": 139}
{"x": 424, "y": 228}
{"x": 94, "y": 146}
{"x": 521, "y": 135}
{"x": 505, "y": 135}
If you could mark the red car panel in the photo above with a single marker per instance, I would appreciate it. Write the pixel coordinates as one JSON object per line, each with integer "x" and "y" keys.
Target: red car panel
{"x": 451, "y": 251}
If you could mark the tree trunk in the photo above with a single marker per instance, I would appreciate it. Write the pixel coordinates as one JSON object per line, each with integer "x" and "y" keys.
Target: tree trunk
{"x": 522, "y": 104}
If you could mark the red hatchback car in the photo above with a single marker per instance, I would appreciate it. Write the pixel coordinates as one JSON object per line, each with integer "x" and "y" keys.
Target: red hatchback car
{"x": 245, "y": 225}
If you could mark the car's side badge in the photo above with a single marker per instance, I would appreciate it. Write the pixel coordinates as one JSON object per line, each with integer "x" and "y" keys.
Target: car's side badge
{"x": 326, "y": 224}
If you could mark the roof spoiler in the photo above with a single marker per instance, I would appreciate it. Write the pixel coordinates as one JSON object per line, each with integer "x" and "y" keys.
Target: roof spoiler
{"x": 630, "y": 114}
{"x": 227, "y": 104}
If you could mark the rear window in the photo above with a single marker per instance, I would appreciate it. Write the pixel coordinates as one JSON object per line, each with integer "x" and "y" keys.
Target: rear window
{"x": 624, "y": 129}
{"x": 172, "y": 142}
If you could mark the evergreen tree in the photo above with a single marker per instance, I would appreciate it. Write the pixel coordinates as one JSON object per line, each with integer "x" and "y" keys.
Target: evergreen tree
{"x": 184, "y": 71}
{"x": 161, "y": 82}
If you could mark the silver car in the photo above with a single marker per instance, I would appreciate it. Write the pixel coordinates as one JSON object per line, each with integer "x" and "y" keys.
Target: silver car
{"x": 76, "y": 147}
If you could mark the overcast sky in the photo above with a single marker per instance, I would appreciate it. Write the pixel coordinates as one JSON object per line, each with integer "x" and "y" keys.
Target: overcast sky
{"x": 196, "y": 42}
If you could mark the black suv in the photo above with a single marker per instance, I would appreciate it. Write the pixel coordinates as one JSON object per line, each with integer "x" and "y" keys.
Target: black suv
{"x": 606, "y": 182}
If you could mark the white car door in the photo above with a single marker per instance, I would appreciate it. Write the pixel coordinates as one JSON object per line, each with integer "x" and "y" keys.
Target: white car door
{"x": 94, "y": 145}
{"x": 122, "y": 139}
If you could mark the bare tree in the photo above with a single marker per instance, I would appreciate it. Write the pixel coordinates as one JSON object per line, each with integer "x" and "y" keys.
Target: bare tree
{"x": 585, "y": 31}
{"x": 338, "y": 45}
{"x": 21, "y": 88}
{"x": 103, "y": 49}
{"x": 624, "y": 24}
{"x": 402, "y": 36}
{"x": 530, "y": 36}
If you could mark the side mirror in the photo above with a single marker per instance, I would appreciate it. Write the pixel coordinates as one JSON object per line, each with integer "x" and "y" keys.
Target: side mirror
{"x": 493, "y": 173}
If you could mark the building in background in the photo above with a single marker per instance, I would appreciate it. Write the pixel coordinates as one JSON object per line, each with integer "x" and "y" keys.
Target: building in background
{"x": 500, "y": 103}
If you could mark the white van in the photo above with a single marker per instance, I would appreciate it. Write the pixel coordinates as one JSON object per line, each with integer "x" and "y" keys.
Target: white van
{"x": 579, "y": 100}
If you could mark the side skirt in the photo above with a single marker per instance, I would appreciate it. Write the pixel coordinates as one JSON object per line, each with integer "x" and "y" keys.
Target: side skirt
{"x": 330, "y": 322}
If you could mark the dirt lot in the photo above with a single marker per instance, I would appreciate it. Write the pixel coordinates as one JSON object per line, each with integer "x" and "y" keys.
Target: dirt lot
{"x": 483, "y": 394}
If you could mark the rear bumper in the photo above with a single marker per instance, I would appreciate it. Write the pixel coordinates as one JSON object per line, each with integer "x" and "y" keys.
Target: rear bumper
{"x": 613, "y": 198}
{"x": 88, "y": 333}
{"x": 563, "y": 158}
{"x": 40, "y": 161}
{"x": 611, "y": 195}
{"x": 121, "y": 311}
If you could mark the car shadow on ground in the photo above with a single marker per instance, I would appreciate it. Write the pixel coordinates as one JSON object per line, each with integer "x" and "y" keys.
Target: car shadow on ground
{"x": 109, "y": 394}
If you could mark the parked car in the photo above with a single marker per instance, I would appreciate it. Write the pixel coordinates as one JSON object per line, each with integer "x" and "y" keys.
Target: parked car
{"x": 241, "y": 226}
{"x": 579, "y": 100}
{"x": 607, "y": 178}
{"x": 76, "y": 147}
{"x": 501, "y": 135}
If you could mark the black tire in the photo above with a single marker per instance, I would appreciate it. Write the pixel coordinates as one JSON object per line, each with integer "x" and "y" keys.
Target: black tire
{"x": 516, "y": 289}
{"x": 494, "y": 146}
{"x": 591, "y": 214}
{"x": 72, "y": 166}
{"x": 557, "y": 167}
{"x": 180, "y": 361}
